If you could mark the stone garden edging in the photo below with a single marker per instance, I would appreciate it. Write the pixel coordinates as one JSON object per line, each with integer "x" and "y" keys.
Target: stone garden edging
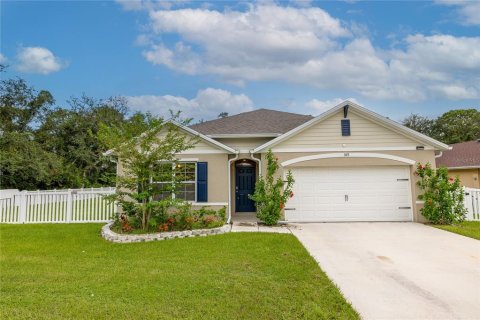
{"x": 112, "y": 236}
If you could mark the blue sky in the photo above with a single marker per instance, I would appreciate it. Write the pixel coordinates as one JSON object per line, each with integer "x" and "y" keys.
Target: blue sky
{"x": 207, "y": 57}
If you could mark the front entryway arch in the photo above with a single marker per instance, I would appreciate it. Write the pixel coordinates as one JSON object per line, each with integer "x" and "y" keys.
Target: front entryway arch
{"x": 349, "y": 155}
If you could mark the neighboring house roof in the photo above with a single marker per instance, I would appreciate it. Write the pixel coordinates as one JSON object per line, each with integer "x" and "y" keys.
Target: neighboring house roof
{"x": 261, "y": 122}
{"x": 462, "y": 155}
{"x": 366, "y": 113}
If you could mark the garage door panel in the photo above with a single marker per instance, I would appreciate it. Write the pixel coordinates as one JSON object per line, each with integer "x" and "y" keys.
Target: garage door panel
{"x": 374, "y": 194}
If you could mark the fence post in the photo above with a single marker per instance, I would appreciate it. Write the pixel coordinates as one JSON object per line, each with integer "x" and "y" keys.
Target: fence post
{"x": 69, "y": 206}
{"x": 22, "y": 210}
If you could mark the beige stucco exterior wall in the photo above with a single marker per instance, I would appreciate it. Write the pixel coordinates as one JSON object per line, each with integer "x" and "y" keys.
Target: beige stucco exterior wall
{"x": 422, "y": 156}
{"x": 217, "y": 174}
{"x": 364, "y": 133}
{"x": 468, "y": 177}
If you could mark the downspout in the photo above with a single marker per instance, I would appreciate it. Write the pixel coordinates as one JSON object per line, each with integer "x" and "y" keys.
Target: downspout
{"x": 439, "y": 155}
{"x": 259, "y": 161}
{"x": 230, "y": 186}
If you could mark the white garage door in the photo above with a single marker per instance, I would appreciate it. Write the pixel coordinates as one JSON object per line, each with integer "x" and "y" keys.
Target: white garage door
{"x": 380, "y": 193}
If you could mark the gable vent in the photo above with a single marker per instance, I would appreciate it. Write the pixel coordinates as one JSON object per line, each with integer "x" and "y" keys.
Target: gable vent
{"x": 345, "y": 127}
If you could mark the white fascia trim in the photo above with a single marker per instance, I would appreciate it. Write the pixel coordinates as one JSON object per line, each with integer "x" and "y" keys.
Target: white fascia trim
{"x": 465, "y": 167}
{"x": 245, "y": 135}
{"x": 204, "y": 137}
{"x": 348, "y": 155}
{"x": 287, "y": 150}
{"x": 387, "y": 122}
{"x": 208, "y": 203}
{"x": 188, "y": 160}
{"x": 200, "y": 151}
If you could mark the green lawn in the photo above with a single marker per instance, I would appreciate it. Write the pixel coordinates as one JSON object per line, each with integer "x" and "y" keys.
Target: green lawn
{"x": 467, "y": 228}
{"x": 69, "y": 271}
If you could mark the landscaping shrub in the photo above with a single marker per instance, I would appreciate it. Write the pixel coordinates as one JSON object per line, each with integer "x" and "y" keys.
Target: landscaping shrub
{"x": 178, "y": 216}
{"x": 442, "y": 195}
{"x": 272, "y": 194}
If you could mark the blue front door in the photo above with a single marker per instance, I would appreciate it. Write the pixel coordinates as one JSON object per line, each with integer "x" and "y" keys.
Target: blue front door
{"x": 244, "y": 186}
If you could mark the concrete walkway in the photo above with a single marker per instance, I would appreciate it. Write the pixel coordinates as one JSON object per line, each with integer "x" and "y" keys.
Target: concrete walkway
{"x": 255, "y": 227}
{"x": 248, "y": 222}
{"x": 398, "y": 270}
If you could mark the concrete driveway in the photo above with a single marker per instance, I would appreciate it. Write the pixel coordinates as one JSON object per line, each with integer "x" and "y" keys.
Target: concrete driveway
{"x": 398, "y": 270}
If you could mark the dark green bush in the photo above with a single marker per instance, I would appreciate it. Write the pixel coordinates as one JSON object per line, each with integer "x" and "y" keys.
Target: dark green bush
{"x": 442, "y": 195}
{"x": 271, "y": 194}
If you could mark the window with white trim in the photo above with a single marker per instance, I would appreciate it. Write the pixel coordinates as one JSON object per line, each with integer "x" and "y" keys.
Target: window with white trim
{"x": 178, "y": 182}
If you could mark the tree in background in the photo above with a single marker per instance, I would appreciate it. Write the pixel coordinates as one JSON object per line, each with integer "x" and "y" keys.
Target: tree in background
{"x": 142, "y": 146}
{"x": 47, "y": 146}
{"x": 452, "y": 127}
{"x": 24, "y": 164}
{"x": 420, "y": 124}
{"x": 73, "y": 134}
{"x": 21, "y": 105}
{"x": 458, "y": 126}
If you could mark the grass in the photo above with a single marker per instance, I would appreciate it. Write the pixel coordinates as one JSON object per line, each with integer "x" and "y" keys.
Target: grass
{"x": 467, "y": 228}
{"x": 69, "y": 271}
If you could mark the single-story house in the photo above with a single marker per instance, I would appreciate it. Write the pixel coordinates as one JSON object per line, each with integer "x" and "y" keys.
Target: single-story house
{"x": 463, "y": 160}
{"x": 349, "y": 163}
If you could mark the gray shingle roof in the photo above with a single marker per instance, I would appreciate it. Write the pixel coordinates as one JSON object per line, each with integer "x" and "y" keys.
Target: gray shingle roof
{"x": 259, "y": 121}
{"x": 464, "y": 154}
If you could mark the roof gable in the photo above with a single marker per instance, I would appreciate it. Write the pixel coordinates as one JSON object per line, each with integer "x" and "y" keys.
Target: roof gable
{"x": 364, "y": 113}
{"x": 204, "y": 140}
{"x": 261, "y": 122}
{"x": 205, "y": 145}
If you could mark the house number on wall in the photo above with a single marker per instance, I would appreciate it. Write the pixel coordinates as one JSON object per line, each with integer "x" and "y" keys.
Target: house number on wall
{"x": 346, "y": 154}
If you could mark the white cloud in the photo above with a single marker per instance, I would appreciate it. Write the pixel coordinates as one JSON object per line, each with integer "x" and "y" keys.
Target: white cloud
{"x": 320, "y": 106}
{"x": 181, "y": 58}
{"x": 234, "y": 43}
{"x": 207, "y": 104}
{"x": 468, "y": 10}
{"x": 37, "y": 60}
{"x": 3, "y": 59}
{"x": 309, "y": 46}
{"x": 456, "y": 92}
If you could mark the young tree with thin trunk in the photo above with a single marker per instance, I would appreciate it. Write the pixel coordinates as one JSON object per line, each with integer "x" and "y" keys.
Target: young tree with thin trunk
{"x": 141, "y": 146}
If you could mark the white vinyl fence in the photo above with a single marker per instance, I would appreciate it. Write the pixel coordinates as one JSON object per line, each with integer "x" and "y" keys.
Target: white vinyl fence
{"x": 56, "y": 206}
{"x": 472, "y": 203}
